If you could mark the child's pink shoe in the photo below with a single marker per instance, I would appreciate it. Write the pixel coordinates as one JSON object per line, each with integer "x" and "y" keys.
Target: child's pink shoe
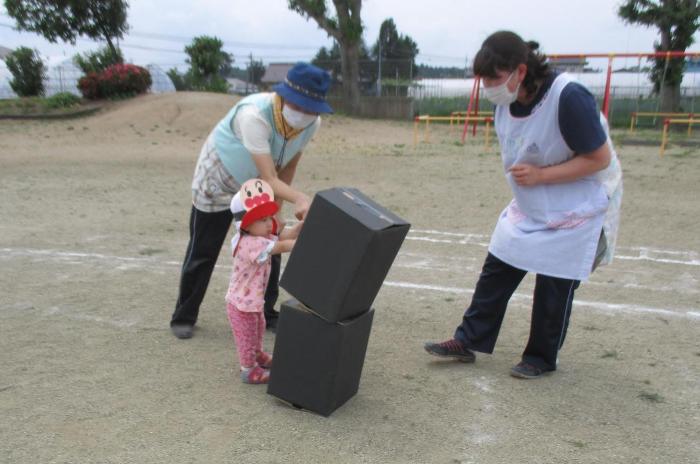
{"x": 264, "y": 360}
{"x": 255, "y": 375}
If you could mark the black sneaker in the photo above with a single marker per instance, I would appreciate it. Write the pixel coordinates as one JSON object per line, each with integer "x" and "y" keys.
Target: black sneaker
{"x": 450, "y": 349}
{"x": 182, "y": 331}
{"x": 525, "y": 370}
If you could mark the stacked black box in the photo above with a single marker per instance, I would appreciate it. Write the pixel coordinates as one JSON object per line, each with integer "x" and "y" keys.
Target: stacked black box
{"x": 317, "y": 364}
{"x": 342, "y": 255}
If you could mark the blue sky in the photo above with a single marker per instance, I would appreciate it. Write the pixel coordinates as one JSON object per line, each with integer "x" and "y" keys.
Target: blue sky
{"x": 448, "y": 32}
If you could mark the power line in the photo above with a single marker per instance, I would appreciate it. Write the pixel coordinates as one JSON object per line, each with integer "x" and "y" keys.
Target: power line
{"x": 230, "y": 43}
{"x": 236, "y": 44}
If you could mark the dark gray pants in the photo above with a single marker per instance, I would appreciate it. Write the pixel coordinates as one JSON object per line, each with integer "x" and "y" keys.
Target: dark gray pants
{"x": 207, "y": 234}
{"x": 551, "y": 308}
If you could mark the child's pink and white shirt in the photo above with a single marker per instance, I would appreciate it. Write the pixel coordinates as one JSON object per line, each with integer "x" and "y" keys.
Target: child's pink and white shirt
{"x": 251, "y": 271}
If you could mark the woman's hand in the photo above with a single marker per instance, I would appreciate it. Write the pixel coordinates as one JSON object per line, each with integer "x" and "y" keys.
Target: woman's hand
{"x": 526, "y": 174}
{"x": 301, "y": 206}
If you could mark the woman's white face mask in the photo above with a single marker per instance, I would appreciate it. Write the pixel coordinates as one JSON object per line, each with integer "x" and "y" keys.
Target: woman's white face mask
{"x": 500, "y": 95}
{"x": 297, "y": 119}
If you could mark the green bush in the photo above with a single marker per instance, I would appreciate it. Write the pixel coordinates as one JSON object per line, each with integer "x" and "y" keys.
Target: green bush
{"x": 180, "y": 81}
{"x": 188, "y": 81}
{"x": 213, "y": 84}
{"x": 61, "y": 100}
{"x": 27, "y": 71}
{"x": 98, "y": 61}
{"x": 117, "y": 81}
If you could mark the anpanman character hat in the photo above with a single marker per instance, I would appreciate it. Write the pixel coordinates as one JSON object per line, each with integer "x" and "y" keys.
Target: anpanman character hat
{"x": 255, "y": 200}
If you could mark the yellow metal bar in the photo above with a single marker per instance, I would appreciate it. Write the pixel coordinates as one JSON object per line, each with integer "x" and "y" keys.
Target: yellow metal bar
{"x": 486, "y": 136}
{"x": 664, "y": 139}
{"x": 651, "y": 113}
{"x": 633, "y": 122}
{"x": 684, "y": 121}
{"x": 428, "y": 119}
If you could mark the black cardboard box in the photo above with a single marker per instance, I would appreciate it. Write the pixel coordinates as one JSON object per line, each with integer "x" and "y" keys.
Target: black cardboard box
{"x": 343, "y": 253}
{"x": 317, "y": 364}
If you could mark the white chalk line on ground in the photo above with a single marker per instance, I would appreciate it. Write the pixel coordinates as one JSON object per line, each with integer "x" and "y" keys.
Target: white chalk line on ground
{"x": 465, "y": 265}
{"x": 606, "y": 307}
{"x": 643, "y": 253}
{"x": 144, "y": 262}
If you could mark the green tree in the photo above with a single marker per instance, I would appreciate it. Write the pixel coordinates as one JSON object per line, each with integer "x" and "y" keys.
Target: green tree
{"x": 98, "y": 60}
{"x": 677, "y": 21}
{"x": 68, "y": 19}
{"x": 180, "y": 81}
{"x": 256, "y": 70}
{"x": 397, "y": 52}
{"x": 208, "y": 62}
{"x": 346, "y": 28}
{"x": 330, "y": 60}
{"x": 27, "y": 72}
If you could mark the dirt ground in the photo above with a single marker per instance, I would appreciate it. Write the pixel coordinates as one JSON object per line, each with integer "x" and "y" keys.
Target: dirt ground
{"x": 93, "y": 230}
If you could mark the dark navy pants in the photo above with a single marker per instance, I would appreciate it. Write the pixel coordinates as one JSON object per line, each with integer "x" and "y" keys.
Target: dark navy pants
{"x": 551, "y": 308}
{"x": 207, "y": 234}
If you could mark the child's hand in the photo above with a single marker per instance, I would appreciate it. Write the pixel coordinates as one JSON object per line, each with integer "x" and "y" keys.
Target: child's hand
{"x": 291, "y": 232}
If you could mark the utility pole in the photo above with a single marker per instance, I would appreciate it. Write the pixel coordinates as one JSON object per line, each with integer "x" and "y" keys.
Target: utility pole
{"x": 397, "y": 81}
{"x": 250, "y": 74}
{"x": 379, "y": 75}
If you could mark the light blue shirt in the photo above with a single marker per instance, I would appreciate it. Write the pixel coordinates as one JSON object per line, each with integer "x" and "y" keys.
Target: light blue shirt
{"x": 236, "y": 158}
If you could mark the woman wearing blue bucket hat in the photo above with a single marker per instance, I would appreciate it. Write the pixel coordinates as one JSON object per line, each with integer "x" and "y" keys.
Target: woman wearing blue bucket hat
{"x": 262, "y": 136}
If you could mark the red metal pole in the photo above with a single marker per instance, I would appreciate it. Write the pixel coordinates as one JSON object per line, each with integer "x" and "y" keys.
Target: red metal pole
{"x": 476, "y": 106}
{"x": 606, "y": 97}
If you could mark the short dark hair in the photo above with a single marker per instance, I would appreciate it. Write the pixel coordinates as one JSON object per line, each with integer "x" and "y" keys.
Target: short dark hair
{"x": 504, "y": 51}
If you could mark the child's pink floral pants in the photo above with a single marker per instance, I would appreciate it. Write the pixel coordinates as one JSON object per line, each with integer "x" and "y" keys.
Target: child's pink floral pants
{"x": 248, "y": 330}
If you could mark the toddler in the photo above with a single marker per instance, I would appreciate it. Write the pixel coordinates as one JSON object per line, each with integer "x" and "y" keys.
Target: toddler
{"x": 256, "y": 239}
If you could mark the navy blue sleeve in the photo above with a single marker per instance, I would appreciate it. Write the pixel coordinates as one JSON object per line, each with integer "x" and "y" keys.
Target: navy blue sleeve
{"x": 579, "y": 119}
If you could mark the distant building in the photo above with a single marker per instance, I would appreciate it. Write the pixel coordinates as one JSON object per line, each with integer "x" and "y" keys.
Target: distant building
{"x": 571, "y": 65}
{"x": 692, "y": 64}
{"x": 240, "y": 87}
{"x": 4, "y": 51}
{"x": 275, "y": 73}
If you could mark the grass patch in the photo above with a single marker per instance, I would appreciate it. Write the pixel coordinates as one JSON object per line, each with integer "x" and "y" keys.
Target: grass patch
{"x": 651, "y": 397}
{"x": 150, "y": 251}
{"x": 56, "y": 105}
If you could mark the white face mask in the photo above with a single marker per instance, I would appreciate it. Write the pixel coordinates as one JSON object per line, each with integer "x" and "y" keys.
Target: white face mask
{"x": 297, "y": 119}
{"x": 500, "y": 95}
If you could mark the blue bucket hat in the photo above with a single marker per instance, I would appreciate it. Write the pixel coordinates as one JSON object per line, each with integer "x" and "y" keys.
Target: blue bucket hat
{"x": 306, "y": 86}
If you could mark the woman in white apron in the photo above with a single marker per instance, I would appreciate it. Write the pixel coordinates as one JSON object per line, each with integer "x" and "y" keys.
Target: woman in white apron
{"x": 562, "y": 222}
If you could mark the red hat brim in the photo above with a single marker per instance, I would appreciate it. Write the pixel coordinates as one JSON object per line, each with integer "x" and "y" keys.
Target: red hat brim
{"x": 259, "y": 212}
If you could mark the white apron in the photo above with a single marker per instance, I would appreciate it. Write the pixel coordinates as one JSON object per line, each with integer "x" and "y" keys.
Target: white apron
{"x": 552, "y": 229}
